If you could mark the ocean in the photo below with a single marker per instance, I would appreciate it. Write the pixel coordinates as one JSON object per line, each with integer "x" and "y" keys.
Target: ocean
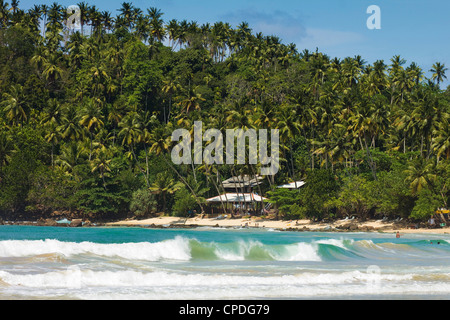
{"x": 219, "y": 264}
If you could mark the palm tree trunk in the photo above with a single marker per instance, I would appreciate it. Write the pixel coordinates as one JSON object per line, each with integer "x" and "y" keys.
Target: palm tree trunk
{"x": 187, "y": 184}
{"x": 369, "y": 158}
{"x": 233, "y": 172}
{"x": 164, "y": 202}
{"x": 139, "y": 166}
{"x": 53, "y": 146}
{"x": 90, "y": 151}
{"x": 208, "y": 175}
{"x": 421, "y": 146}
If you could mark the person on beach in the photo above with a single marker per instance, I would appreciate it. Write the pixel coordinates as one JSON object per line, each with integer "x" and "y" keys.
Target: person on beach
{"x": 397, "y": 235}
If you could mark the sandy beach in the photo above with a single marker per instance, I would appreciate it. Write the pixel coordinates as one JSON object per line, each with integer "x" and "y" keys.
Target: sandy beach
{"x": 305, "y": 225}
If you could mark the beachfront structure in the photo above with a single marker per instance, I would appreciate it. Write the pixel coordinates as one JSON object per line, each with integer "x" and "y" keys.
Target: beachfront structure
{"x": 292, "y": 185}
{"x": 237, "y": 198}
{"x": 241, "y": 195}
{"x": 242, "y": 184}
{"x": 243, "y": 203}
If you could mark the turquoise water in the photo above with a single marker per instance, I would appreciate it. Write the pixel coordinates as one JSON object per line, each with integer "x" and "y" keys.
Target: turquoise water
{"x": 205, "y": 263}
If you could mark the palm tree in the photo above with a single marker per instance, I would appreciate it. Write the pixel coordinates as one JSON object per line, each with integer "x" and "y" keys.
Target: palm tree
{"x": 441, "y": 140}
{"x": 99, "y": 79}
{"x": 163, "y": 185}
{"x": 96, "y": 21}
{"x": 127, "y": 14}
{"x": 70, "y": 123}
{"x": 108, "y": 20}
{"x": 420, "y": 175}
{"x": 53, "y": 137}
{"x": 170, "y": 87}
{"x": 101, "y": 163}
{"x": 52, "y": 112}
{"x": 289, "y": 128}
{"x": 415, "y": 72}
{"x": 115, "y": 115}
{"x": 424, "y": 115}
{"x": 133, "y": 132}
{"x": 173, "y": 32}
{"x": 13, "y": 104}
{"x": 14, "y": 6}
{"x": 35, "y": 14}
{"x": 161, "y": 143}
{"x": 84, "y": 10}
{"x": 6, "y": 148}
{"x": 362, "y": 126}
{"x": 44, "y": 12}
{"x": 142, "y": 28}
{"x": 54, "y": 22}
{"x": 192, "y": 101}
{"x": 438, "y": 71}
{"x": 4, "y": 14}
{"x": 92, "y": 120}
{"x": 70, "y": 155}
{"x": 157, "y": 29}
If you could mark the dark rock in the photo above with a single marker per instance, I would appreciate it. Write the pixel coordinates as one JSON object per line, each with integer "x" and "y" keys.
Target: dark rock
{"x": 349, "y": 226}
{"x": 87, "y": 223}
{"x": 50, "y": 223}
{"x": 76, "y": 223}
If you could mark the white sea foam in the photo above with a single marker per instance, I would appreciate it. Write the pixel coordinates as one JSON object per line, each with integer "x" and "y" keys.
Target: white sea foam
{"x": 299, "y": 252}
{"x": 132, "y": 284}
{"x": 335, "y": 242}
{"x": 178, "y": 249}
{"x": 241, "y": 269}
{"x": 74, "y": 276}
{"x": 175, "y": 249}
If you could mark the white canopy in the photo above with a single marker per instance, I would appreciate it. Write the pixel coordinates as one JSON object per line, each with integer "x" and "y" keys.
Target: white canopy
{"x": 237, "y": 197}
{"x": 292, "y": 185}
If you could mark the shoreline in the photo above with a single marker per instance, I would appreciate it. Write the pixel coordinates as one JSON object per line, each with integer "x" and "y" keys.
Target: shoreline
{"x": 168, "y": 222}
{"x": 293, "y": 225}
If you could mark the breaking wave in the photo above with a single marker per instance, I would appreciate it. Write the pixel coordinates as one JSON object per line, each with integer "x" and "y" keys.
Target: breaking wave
{"x": 188, "y": 249}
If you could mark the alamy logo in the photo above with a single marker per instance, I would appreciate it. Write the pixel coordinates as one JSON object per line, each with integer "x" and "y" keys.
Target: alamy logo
{"x": 213, "y": 152}
{"x": 74, "y": 19}
{"x": 374, "y": 21}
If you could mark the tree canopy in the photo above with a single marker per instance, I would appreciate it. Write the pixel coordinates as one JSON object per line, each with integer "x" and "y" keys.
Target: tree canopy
{"x": 86, "y": 117}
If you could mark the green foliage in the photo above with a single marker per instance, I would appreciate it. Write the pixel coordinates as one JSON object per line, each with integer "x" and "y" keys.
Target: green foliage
{"x": 143, "y": 78}
{"x": 17, "y": 175}
{"x": 92, "y": 196}
{"x": 426, "y": 205}
{"x": 355, "y": 196}
{"x": 320, "y": 185}
{"x": 184, "y": 204}
{"x": 143, "y": 203}
{"x": 163, "y": 186}
{"x": 286, "y": 201}
{"x": 391, "y": 196}
{"x": 86, "y": 119}
{"x": 50, "y": 190}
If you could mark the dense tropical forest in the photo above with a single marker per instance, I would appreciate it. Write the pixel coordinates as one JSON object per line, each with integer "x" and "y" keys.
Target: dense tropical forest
{"x": 86, "y": 117}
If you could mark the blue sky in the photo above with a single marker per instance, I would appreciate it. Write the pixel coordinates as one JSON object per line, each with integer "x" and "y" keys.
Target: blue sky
{"x": 418, "y": 30}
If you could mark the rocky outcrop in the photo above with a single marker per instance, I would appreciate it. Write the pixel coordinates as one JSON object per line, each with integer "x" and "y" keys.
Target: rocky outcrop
{"x": 50, "y": 223}
{"x": 46, "y": 223}
{"x": 349, "y": 227}
{"x": 76, "y": 223}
